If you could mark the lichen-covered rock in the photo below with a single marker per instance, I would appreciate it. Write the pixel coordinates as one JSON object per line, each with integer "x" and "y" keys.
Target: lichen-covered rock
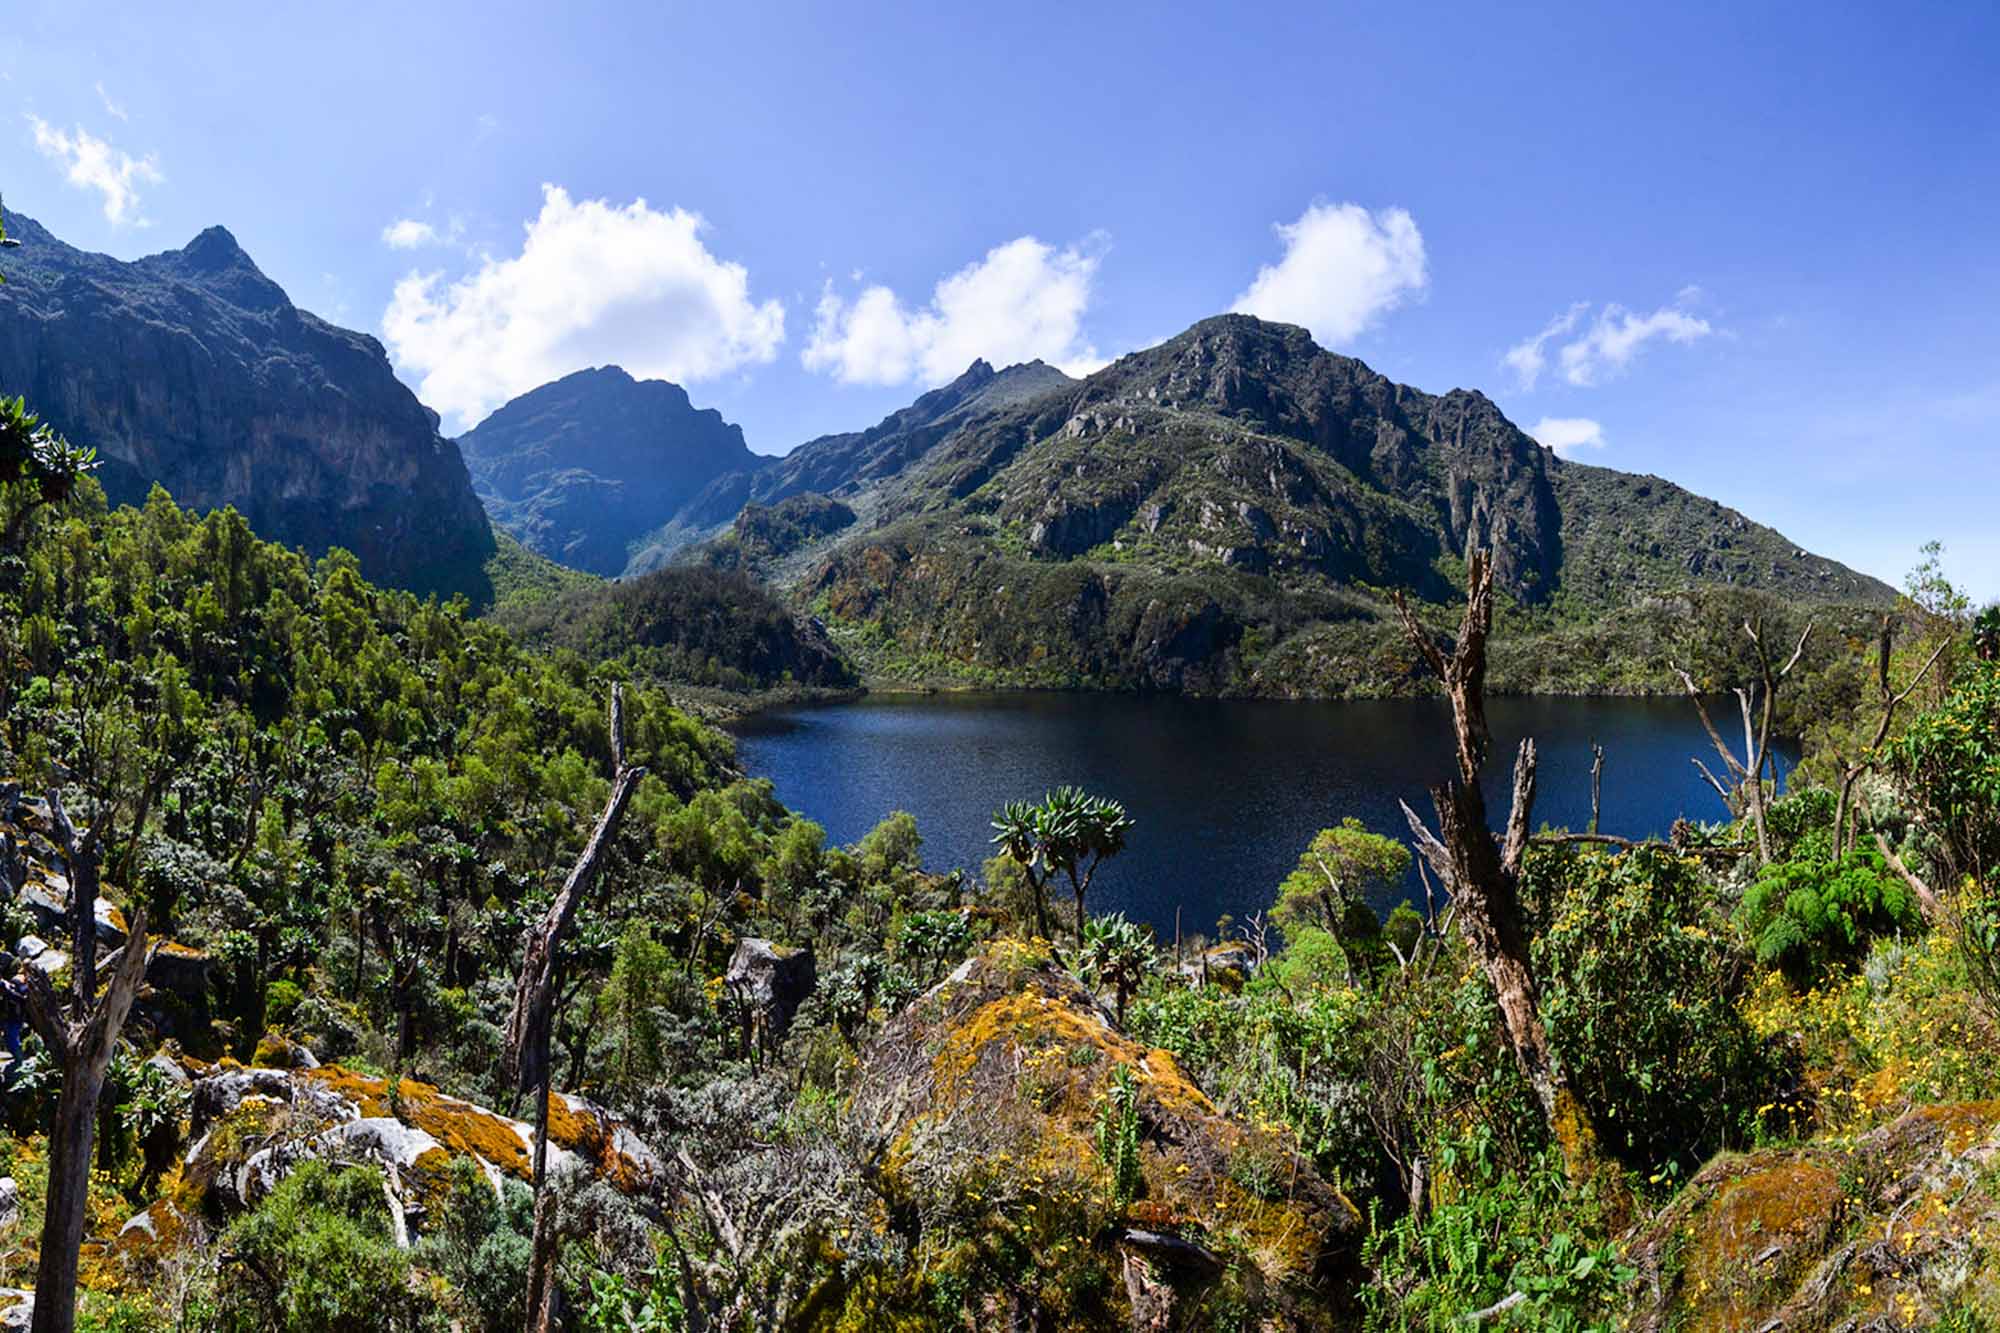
{"x": 277, "y": 1051}
{"x": 769, "y": 982}
{"x": 1890, "y": 1230}
{"x": 180, "y": 971}
{"x": 995, "y": 1099}
{"x": 251, "y": 1126}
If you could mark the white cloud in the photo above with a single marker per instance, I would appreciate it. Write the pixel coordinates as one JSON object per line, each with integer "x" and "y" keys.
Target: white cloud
{"x": 1567, "y": 435}
{"x": 594, "y": 284}
{"x": 1023, "y": 301}
{"x": 1342, "y": 270}
{"x": 1527, "y": 359}
{"x": 1611, "y": 342}
{"x": 90, "y": 163}
{"x": 111, "y": 108}
{"x": 409, "y": 234}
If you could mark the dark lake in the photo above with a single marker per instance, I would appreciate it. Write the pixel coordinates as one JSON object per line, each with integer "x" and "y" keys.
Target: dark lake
{"x": 1225, "y": 793}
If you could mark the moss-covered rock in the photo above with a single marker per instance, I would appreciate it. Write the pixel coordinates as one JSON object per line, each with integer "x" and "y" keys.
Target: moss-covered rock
{"x": 1044, "y": 1190}
{"x": 1896, "y": 1229}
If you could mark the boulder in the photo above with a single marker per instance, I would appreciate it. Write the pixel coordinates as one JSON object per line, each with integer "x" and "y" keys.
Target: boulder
{"x": 180, "y": 971}
{"x": 769, "y": 982}
{"x": 17, "y": 1310}
{"x": 47, "y": 901}
{"x": 996, "y": 1084}
{"x": 277, "y": 1051}
{"x": 10, "y": 1203}
{"x": 252, "y": 1126}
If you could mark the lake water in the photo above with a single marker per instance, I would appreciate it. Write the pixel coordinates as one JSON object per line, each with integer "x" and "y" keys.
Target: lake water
{"x": 1225, "y": 794}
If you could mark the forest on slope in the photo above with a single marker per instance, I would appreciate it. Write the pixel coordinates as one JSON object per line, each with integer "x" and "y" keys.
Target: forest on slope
{"x": 278, "y": 841}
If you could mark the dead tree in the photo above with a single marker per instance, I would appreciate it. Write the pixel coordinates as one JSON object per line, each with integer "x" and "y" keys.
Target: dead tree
{"x": 80, "y": 1033}
{"x": 1891, "y": 699}
{"x": 1596, "y": 783}
{"x": 1758, "y": 701}
{"x": 525, "y": 1062}
{"x": 1483, "y": 876}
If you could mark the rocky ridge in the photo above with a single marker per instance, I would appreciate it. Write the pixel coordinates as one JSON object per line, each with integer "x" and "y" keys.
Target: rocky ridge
{"x": 193, "y": 370}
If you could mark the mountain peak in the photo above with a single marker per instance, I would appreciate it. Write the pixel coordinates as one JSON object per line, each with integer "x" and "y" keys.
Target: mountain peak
{"x": 213, "y": 250}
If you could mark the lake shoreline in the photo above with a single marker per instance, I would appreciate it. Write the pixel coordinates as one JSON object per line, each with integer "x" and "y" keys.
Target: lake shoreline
{"x": 1226, "y": 792}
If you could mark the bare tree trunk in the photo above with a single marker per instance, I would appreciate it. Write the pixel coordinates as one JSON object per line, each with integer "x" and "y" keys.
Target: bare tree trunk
{"x": 1758, "y": 703}
{"x": 525, "y": 1062}
{"x": 1596, "y": 783}
{"x": 542, "y": 1259}
{"x": 1484, "y": 877}
{"x": 1891, "y": 700}
{"x": 82, "y": 1036}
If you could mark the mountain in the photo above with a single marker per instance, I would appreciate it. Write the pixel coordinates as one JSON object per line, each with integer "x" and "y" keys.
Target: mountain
{"x": 192, "y": 369}
{"x": 1223, "y": 512}
{"x": 581, "y": 468}
{"x": 855, "y": 460}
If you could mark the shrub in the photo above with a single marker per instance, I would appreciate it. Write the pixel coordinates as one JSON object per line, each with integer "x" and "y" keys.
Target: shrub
{"x": 1808, "y": 911}
{"x": 1640, "y": 975}
{"x": 316, "y": 1256}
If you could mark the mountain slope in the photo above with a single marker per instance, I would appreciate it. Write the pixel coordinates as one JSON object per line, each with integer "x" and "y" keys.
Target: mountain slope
{"x": 855, "y": 460}
{"x": 192, "y": 369}
{"x": 1219, "y": 512}
{"x": 581, "y": 468}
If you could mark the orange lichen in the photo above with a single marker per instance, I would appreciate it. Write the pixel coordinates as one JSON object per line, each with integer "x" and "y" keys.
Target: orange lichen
{"x": 462, "y": 1128}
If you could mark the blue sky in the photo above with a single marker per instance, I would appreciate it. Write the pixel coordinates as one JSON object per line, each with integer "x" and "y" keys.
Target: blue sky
{"x": 1772, "y": 232}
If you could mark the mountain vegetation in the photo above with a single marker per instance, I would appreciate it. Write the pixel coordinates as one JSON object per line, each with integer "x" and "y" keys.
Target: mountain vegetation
{"x": 306, "y": 881}
{"x": 1227, "y": 513}
{"x": 696, "y": 626}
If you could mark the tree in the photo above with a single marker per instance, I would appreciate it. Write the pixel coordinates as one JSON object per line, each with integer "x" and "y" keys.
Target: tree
{"x": 1484, "y": 877}
{"x": 1335, "y": 877}
{"x": 1118, "y": 953}
{"x": 1070, "y": 832}
{"x": 631, "y": 1000}
{"x": 1017, "y": 833}
{"x": 1758, "y": 701}
{"x": 81, "y": 1035}
{"x": 934, "y": 938}
{"x": 37, "y": 467}
{"x": 526, "y": 1060}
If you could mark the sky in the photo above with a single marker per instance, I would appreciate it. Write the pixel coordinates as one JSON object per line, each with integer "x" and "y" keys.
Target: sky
{"x": 1750, "y": 248}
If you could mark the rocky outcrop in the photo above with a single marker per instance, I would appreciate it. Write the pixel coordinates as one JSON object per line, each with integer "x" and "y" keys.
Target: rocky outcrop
{"x": 768, "y": 983}
{"x": 1008, "y": 1090}
{"x": 1893, "y": 1230}
{"x": 583, "y": 467}
{"x": 250, "y": 1126}
{"x": 193, "y": 370}
{"x": 844, "y": 464}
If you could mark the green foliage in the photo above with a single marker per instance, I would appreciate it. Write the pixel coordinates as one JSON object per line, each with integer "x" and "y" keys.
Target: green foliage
{"x": 1948, "y": 765}
{"x": 1070, "y": 832}
{"x": 1339, "y": 877}
{"x": 316, "y": 1256}
{"x": 693, "y": 624}
{"x": 616, "y": 1305}
{"x": 1640, "y": 982}
{"x": 37, "y": 467}
{"x": 1807, "y": 912}
{"x": 1117, "y": 953}
{"x": 934, "y": 939}
{"x": 632, "y": 1004}
{"x": 1118, "y": 1134}
{"x": 1511, "y": 1232}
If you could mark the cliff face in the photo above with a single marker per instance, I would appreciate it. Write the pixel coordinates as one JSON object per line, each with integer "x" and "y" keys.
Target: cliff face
{"x": 581, "y": 468}
{"x": 192, "y": 369}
